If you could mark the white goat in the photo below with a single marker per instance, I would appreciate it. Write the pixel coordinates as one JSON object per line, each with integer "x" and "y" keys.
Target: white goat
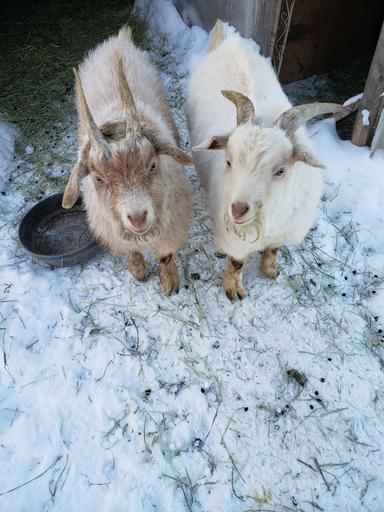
{"x": 135, "y": 191}
{"x": 263, "y": 189}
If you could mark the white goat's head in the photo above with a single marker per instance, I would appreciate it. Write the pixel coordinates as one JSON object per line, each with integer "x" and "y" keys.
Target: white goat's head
{"x": 122, "y": 159}
{"x": 259, "y": 158}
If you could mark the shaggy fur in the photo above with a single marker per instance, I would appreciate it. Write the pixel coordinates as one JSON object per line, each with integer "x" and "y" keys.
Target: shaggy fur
{"x": 130, "y": 171}
{"x": 243, "y": 162}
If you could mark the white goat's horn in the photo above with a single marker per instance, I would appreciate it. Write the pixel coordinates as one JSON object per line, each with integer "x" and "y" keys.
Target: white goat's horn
{"x": 85, "y": 114}
{"x": 132, "y": 120}
{"x": 293, "y": 118}
{"x": 244, "y": 106}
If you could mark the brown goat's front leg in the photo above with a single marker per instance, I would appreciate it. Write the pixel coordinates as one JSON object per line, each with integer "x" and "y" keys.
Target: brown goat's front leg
{"x": 136, "y": 265}
{"x": 233, "y": 279}
{"x": 269, "y": 263}
{"x": 169, "y": 275}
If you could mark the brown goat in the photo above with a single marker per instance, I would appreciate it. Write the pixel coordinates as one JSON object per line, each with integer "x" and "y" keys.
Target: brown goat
{"x": 135, "y": 191}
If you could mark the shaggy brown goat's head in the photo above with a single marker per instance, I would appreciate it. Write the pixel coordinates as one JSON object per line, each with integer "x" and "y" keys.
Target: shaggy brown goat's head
{"x": 123, "y": 160}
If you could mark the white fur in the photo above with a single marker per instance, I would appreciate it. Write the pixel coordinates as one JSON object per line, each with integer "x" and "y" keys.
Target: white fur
{"x": 288, "y": 204}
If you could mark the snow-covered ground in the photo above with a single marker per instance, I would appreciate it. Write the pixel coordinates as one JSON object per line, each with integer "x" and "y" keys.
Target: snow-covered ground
{"x": 115, "y": 398}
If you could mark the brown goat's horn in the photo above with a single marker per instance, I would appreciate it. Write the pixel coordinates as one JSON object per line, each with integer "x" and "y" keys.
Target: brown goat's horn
{"x": 132, "y": 120}
{"x": 293, "y": 118}
{"x": 244, "y": 106}
{"x": 85, "y": 114}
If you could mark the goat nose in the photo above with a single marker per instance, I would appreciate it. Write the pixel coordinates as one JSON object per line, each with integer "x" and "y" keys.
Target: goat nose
{"x": 139, "y": 219}
{"x": 239, "y": 210}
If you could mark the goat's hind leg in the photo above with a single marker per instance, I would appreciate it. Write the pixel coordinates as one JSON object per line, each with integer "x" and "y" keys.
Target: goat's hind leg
{"x": 169, "y": 275}
{"x": 269, "y": 264}
{"x": 136, "y": 265}
{"x": 233, "y": 279}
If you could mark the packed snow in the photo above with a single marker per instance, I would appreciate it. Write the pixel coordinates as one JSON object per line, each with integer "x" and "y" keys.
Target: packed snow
{"x": 365, "y": 114}
{"x": 114, "y": 397}
{"x": 349, "y": 101}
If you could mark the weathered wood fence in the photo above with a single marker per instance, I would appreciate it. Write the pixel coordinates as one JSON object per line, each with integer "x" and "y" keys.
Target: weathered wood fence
{"x": 319, "y": 34}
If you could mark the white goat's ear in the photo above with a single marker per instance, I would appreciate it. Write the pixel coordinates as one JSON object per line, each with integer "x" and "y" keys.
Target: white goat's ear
{"x": 303, "y": 154}
{"x": 216, "y": 142}
{"x": 72, "y": 189}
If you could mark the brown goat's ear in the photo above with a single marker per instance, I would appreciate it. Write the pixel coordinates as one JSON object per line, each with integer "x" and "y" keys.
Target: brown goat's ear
{"x": 216, "y": 142}
{"x": 72, "y": 190}
{"x": 303, "y": 154}
{"x": 174, "y": 152}
{"x": 163, "y": 147}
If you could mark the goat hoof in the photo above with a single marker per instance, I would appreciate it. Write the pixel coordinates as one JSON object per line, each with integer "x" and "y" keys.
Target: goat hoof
{"x": 241, "y": 294}
{"x": 171, "y": 287}
{"x": 235, "y": 291}
{"x": 269, "y": 265}
{"x": 141, "y": 278}
{"x": 138, "y": 273}
{"x": 169, "y": 278}
{"x": 272, "y": 271}
{"x": 136, "y": 266}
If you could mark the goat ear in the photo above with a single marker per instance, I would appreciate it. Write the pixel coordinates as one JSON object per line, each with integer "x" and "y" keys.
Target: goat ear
{"x": 216, "y": 142}
{"x": 165, "y": 148}
{"x": 303, "y": 154}
{"x": 72, "y": 189}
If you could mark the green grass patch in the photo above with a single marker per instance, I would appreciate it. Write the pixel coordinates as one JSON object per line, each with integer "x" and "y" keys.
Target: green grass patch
{"x": 41, "y": 42}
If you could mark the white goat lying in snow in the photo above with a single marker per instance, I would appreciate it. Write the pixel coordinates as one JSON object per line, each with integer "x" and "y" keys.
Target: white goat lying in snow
{"x": 263, "y": 189}
{"x": 135, "y": 191}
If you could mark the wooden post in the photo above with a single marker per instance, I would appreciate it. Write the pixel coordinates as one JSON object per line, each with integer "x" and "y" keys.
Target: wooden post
{"x": 264, "y": 24}
{"x": 378, "y": 138}
{"x": 371, "y": 101}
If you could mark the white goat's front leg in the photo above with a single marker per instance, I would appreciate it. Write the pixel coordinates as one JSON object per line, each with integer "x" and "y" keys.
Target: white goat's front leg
{"x": 169, "y": 275}
{"x": 136, "y": 265}
{"x": 269, "y": 264}
{"x": 233, "y": 279}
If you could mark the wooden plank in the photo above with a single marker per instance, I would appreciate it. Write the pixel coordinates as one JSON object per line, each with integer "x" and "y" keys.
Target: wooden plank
{"x": 252, "y": 18}
{"x": 372, "y": 100}
{"x": 264, "y": 24}
{"x": 378, "y": 138}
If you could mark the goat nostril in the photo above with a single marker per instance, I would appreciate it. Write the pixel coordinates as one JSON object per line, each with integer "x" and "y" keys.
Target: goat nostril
{"x": 239, "y": 210}
{"x": 138, "y": 219}
{"x": 144, "y": 216}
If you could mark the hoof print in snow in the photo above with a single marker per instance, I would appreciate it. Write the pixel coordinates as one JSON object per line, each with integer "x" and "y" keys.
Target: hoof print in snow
{"x": 297, "y": 376}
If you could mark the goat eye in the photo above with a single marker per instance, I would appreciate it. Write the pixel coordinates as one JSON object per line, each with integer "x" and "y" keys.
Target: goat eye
{"x": 280, "y": 171}
{"x": 98, "y": 179}
{"x": 153, "y": 166}
{"x": 228, "y": 163}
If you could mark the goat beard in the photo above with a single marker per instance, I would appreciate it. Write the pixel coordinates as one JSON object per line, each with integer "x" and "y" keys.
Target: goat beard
{"x": 248, "y": 232}
{"x": 130, "y": 236}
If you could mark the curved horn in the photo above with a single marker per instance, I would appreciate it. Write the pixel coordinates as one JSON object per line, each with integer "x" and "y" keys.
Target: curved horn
{"x": 244, "y": 106}
{"x": 132, "y": 120}
{"x": 293, "y": 118}
{"x": 85, "y": 114}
